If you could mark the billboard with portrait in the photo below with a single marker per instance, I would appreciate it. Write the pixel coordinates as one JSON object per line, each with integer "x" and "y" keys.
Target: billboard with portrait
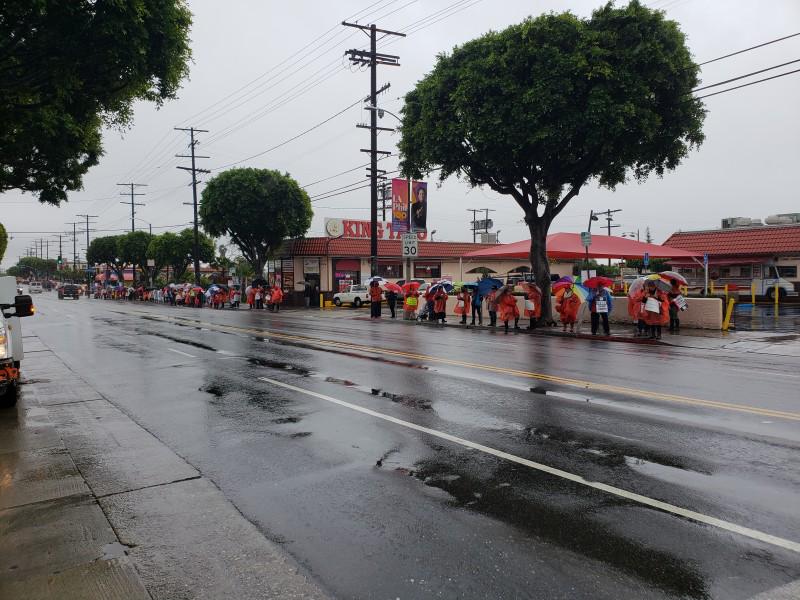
{"x": 418, "y": 209}
{"x": 400, "y": 205}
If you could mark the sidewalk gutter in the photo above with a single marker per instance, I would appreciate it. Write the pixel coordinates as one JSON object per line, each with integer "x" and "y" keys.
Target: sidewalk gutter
{"x": 96, "y": 507}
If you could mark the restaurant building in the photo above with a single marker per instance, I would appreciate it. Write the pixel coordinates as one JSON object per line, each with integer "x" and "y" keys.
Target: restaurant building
{"x": 330, "y": 264}
{"x": 739, "y": 255}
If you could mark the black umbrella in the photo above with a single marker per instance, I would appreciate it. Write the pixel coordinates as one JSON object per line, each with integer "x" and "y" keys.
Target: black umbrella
{"x": 259, "y": 281}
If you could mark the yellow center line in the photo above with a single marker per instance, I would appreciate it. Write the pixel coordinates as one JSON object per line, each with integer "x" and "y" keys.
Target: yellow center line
{"x": 577, "y": 383}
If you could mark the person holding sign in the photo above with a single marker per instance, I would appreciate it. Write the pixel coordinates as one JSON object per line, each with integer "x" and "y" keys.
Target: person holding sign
{"x": 677, "y": 303}
{"x": 656, "y": 309}
{"x": 600, "y": 303}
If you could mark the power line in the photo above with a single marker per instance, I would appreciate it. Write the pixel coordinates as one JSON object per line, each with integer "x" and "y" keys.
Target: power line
{"x": 705, "y": 87}
{"x": 786, "y": 37}
{"x": 291, "y": 139}
{"x": 749, "y": 84}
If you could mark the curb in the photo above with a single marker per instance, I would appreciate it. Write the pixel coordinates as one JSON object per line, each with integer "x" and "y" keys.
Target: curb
{"x": 526, "y": 331}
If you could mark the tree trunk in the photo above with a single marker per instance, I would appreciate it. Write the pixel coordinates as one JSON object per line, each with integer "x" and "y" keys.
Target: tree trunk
{"x": 540, "y": 266}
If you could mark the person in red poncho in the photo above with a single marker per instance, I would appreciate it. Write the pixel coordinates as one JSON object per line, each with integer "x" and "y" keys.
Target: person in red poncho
{"x": 277, "y": 298}
{"x": 567, "y": 308}
{"x": 440, "y": 305}
{"x": 507, "y": 307}
{"x": 463, "y": 301}
{"x": 533, "y": 306}
{"x": 636, "y": 311}
{"x": 656, "y": 309}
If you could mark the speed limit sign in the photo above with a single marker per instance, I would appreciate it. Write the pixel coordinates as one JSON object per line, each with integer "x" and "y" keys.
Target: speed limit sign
{"x": 410, "y": 245}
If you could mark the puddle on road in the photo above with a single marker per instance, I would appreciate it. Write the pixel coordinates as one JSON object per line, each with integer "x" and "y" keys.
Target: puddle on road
{"x": 609, "y": 452}
{"x": 273, "y": 364}
{"x": 180, "y": 340}
{"x": 573, "y": 529}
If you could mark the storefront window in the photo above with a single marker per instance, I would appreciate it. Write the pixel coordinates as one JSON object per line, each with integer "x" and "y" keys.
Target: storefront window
{"x": 427, "y": 270}
{"x": 392, "y": 270}
{"x": 346, "y": 272}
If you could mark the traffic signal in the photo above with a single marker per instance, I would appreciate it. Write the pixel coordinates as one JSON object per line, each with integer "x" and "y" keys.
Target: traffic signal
{"x": 59, "y": 262}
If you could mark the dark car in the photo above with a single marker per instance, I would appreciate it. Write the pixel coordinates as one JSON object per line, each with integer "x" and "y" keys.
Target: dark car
{"x": 69, "y": 290}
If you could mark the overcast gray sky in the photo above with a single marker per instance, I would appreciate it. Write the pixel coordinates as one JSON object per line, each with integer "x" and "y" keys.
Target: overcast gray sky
{"x": 747, "y": 166}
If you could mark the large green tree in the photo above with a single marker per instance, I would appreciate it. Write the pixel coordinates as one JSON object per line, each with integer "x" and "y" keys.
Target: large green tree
{"x": 33, "y": 266}
{"x": 542, "y": 108}
{"x": 257, "y": 209}
{"x": 176, "y": 251}
{"x": 69, "y": 67}
{"x": 132, "y": 249}
{"x": 105, "y": 251}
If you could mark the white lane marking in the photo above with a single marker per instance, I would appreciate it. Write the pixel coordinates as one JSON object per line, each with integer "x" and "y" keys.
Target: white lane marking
{"x": 228, "y": 352}
{"x": 180, "y": 352}
{"x": 664, "y": 506}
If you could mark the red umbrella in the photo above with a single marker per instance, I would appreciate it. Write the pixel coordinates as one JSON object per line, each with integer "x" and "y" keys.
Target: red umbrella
{"x": 392, "y": 287}
{"x": 599, "y": 281}
{"x": 411, "y": 286}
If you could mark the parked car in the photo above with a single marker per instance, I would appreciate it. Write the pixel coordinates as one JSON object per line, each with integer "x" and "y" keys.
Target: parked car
{"x": 356, "y": 295}
{"x": 35, "y": 287}
{"x": 69, "y": 290}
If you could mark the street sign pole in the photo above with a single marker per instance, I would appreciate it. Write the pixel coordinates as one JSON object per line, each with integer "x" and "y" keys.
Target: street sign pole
{"x": 705, "y": 274}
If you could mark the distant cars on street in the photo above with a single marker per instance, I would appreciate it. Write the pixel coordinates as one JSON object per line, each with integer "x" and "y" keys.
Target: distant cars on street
{"x": 35, "y": 287}
{"x": 69, "y": 290}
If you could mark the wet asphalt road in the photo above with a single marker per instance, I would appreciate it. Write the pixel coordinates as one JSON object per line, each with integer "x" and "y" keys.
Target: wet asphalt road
{"x": 375, "y": 508}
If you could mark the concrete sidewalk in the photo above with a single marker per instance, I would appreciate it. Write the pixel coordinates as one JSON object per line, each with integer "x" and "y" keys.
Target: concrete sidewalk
{"x": 761, "y": 342}
{"x": 94, "y": 506}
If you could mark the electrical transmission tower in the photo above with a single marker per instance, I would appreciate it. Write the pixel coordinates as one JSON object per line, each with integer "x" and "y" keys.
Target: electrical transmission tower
{"x": 372, "y": 58}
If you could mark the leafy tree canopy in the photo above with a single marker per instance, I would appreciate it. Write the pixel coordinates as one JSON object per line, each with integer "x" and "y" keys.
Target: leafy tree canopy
{"x": 105, "y": 251}
{"x": 67, "y": 69}
{"x": 257, "y": 209}
{"x": 540, "y": 109}
{"x": 3, "y": 241}
{"x": 176, "y": 250}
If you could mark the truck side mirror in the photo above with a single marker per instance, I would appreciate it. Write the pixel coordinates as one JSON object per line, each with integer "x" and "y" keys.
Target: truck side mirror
{"x": 23, "y": 306}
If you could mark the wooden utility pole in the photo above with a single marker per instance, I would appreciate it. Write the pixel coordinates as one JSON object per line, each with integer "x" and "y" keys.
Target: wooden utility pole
{"x": 195, "y": 171}
{"x": 372, "y": 59}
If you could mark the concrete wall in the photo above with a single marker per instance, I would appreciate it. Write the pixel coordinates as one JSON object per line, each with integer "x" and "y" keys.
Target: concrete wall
{"x": 703, "y": 313}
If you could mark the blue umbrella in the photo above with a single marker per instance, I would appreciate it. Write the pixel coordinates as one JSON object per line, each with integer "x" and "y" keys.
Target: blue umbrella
{"x": 485, "y": 285}
{"x": 445, "y": 285}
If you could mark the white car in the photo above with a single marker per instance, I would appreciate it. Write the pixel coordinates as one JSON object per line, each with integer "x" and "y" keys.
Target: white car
{"x": 357, "y": 295}
{"x": 35, "y": 287}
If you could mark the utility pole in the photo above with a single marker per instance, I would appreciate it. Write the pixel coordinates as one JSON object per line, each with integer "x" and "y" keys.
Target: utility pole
{"x": 133, "y": 204}
{"x": 486, "y": 224}
{"x": 373, "y": 58}
{"x": 74, "y": 243}
{"x": 609, "y": 219}
{"x": 195, "y": 171}
{"x": 88, "y": 278}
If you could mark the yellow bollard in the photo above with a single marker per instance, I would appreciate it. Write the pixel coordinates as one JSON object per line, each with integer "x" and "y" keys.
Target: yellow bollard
{"x": 777, "y": 296}
{"x": 727, "y": 321}
{"x": 625, "y": 287}
{"x": 753, "y": 293}
{"x": 712, "y": 287}
{"x": 726, "y": 293}
{"x": 321, "y": 301}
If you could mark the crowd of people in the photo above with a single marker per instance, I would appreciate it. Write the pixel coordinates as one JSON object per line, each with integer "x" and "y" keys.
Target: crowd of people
{"x": 652, "y": 303}
{"x": 217, "y": 296}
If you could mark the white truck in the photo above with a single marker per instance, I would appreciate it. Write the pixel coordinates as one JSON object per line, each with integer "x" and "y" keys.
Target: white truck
{"x": 12, "y": 307}
{"x": 765, "y": 286}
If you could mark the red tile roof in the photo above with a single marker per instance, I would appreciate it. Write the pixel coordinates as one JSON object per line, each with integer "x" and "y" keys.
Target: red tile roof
{"x": 321, "y": 246}
{"x": 770, "y": 239}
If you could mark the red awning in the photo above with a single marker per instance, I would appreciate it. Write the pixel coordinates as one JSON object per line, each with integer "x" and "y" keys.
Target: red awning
{"x": 568, "y": 246}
